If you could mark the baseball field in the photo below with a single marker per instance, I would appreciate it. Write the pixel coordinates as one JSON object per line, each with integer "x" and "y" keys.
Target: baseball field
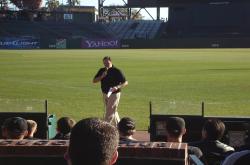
{"x": 176, "y": 81}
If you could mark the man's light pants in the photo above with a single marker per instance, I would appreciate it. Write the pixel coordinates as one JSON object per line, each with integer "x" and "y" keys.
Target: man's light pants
{"x": 111, "y": 105}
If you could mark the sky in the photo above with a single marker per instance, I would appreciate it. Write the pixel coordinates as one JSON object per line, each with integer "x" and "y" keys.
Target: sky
{"x": 152, "y": 11}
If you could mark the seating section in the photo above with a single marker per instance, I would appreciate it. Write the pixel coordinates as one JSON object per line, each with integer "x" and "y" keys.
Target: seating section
{"x": 135, "y": 29}
{"x": 129, "y": 29}
{"x": 52, "y": 29}
{"x": 205, "y": 32}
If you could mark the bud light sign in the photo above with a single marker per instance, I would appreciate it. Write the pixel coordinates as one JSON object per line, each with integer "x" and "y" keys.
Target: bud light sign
{"x": 100, "y": 43}
{"x": 19, "y": 43}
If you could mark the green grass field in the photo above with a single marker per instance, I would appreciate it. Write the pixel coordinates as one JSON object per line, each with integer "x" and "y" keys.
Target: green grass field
{"x": 175, "y": 80}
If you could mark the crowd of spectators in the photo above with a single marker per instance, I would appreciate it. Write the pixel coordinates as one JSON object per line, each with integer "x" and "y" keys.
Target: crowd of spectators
{"x": 95, "y": 141}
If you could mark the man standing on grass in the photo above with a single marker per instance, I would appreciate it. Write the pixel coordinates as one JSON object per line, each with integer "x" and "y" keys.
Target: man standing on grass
{"x": 112, "y": 80}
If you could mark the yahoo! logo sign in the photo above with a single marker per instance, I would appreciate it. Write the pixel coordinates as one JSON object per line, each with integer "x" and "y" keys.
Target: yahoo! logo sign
{"x": 102, "y": 43}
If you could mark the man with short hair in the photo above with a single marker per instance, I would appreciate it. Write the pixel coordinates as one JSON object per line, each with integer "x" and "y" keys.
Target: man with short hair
{"x": 112, "y": 80}
{"x": 14, "y": 128}
{"x": 93, "y": 142}
{"x": 175, "y": 129}
{"x": 64, "y": 126}
{"x": 32, "y": 129}
{"x": 126, "y": 128}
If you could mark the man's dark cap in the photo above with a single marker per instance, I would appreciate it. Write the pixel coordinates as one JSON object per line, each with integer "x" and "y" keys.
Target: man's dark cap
{"x": 15, "y": 124}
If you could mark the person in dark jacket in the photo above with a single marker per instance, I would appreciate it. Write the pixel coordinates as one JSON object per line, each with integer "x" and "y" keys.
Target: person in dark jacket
{"x": 213, "y": 149}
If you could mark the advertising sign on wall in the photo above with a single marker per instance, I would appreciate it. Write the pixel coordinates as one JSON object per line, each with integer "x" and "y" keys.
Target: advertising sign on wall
{"x": 68, "y": 16}
{"x": 61, "y": 43}
{"x": 100, "y": 43}
{"x": 19, "y": 43}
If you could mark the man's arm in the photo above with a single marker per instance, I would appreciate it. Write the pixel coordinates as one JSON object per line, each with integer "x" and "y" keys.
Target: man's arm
{"x": 99, "y": 78}
{"x": 122, "y": 85}
{"x": 115, "y": 88}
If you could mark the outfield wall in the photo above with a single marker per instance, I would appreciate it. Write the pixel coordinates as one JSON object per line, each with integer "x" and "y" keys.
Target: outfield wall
{"x": 111, "y": 43}
{"x": 188, "y": 43}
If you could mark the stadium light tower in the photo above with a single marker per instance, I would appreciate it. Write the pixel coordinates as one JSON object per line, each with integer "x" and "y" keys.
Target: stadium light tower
{"x": 129, "y": 4}
{"x": 102, "y": 7}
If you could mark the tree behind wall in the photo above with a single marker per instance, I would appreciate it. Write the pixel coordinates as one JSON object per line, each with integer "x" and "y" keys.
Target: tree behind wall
{"x": 52, "y": 4}
{"x": 73, "y": 2}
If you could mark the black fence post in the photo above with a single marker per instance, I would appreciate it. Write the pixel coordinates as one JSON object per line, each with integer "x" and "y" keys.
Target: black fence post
{"x": 46, "y": 111}
{"x": 202, "y": 108}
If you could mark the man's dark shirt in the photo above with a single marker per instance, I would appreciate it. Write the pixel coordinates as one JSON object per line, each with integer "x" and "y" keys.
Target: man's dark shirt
{"x": 213, "y": 151}
{"x": 113, "y": 78}
{"x": 214, "y": 146}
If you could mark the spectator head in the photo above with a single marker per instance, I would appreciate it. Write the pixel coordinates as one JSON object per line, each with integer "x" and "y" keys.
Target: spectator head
{"x": 14, "y": 128}
{"x": 175, "y": 127}
{"x": 64, "y": 125}
{"x": 93, "y": 141}
{"x": 213, "y": 129}
{"x": 126, "y": 126}
{"x": 32, "y": 128}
